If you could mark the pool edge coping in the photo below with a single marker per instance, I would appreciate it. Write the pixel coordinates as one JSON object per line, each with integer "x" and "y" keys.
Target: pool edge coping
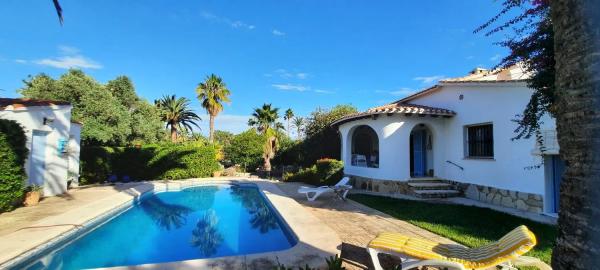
{"x": 314, "y": 239}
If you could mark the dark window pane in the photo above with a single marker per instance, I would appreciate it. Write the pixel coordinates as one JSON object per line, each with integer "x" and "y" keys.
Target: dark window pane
{"x": 480, "y": 141}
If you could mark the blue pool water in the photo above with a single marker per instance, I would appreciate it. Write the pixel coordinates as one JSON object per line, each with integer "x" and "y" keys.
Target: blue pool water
{"x": 198, "y": 222}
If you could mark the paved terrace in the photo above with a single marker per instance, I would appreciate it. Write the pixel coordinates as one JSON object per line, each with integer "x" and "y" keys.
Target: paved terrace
{"x": 354, "y": 223}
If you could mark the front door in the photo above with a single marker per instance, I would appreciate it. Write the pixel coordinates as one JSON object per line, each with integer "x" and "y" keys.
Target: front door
{"x": 419, "y": 153}
{"x": 558, "y": 168}
{"x": 37, "y": 165}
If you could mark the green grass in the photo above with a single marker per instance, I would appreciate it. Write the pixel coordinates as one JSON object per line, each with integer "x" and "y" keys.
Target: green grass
{"x": 468, "y": 225}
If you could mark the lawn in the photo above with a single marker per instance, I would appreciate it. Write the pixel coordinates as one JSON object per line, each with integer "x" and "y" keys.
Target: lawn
{"x": 468, "y": 225}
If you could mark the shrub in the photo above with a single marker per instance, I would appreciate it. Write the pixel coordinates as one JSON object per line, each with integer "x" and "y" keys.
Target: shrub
{"x": 324, "y": 172}
{"x": 245, "y": 149}
{"x": 307, "y": 175}
{"x": 329, "y": 170}
{"x": 13, "y": 153}
{"x": 152, "y": 162}
{"x": 184, "y": 161}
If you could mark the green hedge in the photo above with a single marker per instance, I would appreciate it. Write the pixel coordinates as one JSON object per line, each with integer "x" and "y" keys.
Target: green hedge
{"x": 153, "y": 162}
{"x": 13, "y": 153}
{"x": 324, "y": 172}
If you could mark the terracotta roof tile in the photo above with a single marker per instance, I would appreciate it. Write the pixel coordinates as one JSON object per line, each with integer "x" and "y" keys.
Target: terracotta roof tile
{"x": 397, "y": 108}
{"x": 26, "y": 102}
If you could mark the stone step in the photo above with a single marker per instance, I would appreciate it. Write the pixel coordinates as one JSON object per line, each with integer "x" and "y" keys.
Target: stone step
{"x": 425, "y": 180}
{"x": 430, "y": 185}
{"x": 436, "y": 193}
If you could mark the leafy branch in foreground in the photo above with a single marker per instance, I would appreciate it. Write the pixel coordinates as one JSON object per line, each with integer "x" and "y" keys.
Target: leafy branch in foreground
{"x": 531, "y": 46}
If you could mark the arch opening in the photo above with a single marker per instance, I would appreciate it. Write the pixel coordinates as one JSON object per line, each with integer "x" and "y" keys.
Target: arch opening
{"x": 365, "y": 147}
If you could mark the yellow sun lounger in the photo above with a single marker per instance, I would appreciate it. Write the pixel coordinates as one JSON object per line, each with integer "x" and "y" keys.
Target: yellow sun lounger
{"x": 414, "y": 252}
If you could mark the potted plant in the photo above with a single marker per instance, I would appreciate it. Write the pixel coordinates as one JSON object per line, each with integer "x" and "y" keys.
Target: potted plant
{"x": 32, "y": 195}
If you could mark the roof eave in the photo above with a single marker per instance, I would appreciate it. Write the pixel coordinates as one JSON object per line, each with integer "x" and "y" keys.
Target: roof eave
{"x": 478, "y": 83}
{"x": 376, "y": 114}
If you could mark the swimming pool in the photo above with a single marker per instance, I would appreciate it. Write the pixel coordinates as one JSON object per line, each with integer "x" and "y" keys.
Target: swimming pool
{"x": 193, "y": 223}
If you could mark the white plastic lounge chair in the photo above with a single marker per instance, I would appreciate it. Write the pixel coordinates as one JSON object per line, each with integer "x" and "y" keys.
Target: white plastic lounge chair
{"x": 505, "y": 253}
{"x": 341, "y": 188}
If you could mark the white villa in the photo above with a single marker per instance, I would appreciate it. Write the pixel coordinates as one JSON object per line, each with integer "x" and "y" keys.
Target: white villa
{"x": 53, "y": 141}
{"x": 454, "y": 139}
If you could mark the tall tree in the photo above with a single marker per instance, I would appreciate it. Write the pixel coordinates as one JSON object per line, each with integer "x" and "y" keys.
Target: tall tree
{"x": 298, "y": 123}
{"x": 559, "y": 43}
{"x": 177, "y": 114}
{"x": 577, "y": 47}
{"x": 146, "y": 124}
{"x": 106, "y": 120}
{"x": 264, "y": 119}
{"x": 112, "y": 113}
{"x": 212, "y": 93}
{"x": 289, "y": 114}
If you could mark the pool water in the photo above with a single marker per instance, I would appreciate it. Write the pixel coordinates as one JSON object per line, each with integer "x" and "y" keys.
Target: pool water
{"x": 198, "y": 222}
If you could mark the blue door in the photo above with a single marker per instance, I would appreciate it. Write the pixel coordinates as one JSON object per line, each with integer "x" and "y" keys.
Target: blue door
{"x": 419, "y": 154}
{"x": 558, "y": 168}
{"x": 37, "y": 167}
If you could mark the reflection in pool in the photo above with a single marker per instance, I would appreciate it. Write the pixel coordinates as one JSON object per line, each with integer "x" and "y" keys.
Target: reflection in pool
{"x": 199, "y": 222}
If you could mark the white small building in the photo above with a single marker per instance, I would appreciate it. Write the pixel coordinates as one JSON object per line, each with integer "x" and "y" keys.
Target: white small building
{"x": 456, "y": 139}
{"x": 53, "y": 141}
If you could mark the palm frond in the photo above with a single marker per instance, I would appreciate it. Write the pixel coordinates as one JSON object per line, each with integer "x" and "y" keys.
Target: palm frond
{"x": 59, "y": 11}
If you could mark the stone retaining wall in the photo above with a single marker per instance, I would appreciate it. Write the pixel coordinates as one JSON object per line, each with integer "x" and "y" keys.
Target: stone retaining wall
{"x": 383, "y": 186}
{"x": 513, "y": 199}
{"x": 507, "y": 198}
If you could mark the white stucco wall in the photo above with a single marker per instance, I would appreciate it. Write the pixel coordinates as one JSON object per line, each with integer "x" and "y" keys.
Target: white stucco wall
{"x": 31, "y": 118}
{"x": 394, "y": 145}
{"x": 74, "y": 152}
{"x": 497, "y": 103}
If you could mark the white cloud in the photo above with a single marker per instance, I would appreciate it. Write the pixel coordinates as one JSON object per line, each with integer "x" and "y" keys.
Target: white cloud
{"x": 277, "y": 32}
{"x": 68, "y": 50}
{"x": 291, "y": 87}
{"x": 66, "y": 62}
{"x": 470, "y": 57}
{"x": 71, "y": 59}
{"x": 227, "y": 122}
{"x": 21, "y": 61}
{"x": 495, "y": 57}
{"x": 285, "y": 74}
{"x": 429, "y": 79}
{"x": 321, "y": 91}
{"x": 404, "y": 91}
{"x": 301, "y": 75}
{"x": 224, "y": 20}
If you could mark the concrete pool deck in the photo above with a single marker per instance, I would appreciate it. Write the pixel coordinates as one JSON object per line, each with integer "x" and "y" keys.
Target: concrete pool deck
{"x": 357, "y": 225}
{"x": 316, "y": 241}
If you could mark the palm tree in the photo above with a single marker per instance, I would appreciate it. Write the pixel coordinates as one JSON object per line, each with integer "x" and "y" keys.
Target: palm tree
{"x": 298, "y": 122}
{"x": 177, "y": 114}
{"x": 577, "y": 51}
{"x": 212, "y": 93}
{"x": 289, "y": 114}
{"x": 265, "y": 121}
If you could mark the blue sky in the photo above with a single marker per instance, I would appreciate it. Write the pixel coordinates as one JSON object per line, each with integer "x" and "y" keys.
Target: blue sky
{"x": 297, "y": 54}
